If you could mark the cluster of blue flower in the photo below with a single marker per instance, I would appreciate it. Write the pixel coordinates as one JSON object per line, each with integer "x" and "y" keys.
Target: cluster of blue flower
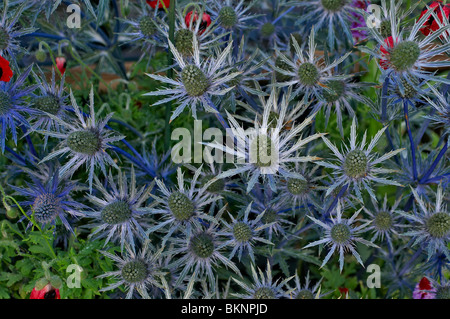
{"x": 272, "y": 72}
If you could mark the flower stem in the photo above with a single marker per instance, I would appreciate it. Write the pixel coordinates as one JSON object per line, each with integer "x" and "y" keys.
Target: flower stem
{"x": 411, "y": 140}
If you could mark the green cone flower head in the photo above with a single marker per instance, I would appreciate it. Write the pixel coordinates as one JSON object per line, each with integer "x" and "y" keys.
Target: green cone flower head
{"x": 227, "y": 17}
{"x": 242, "y": 232}
{"x": 184, "y": 41}
{"x": 404, "y": 55}
{"x": 47, "y": 103}
{"x": 5, "y": 103}
{"x": 116, "y": 213}
{"x": 45, "y": 207}
{"x": 194, "y": 80}
{"x": 147, "y": 26}
{"x": 181, "y": 206}
{"x": 84, "y": 141}
{"x": 202, "y": 245}
{"x": 135, "y": 271}
{"x": 438, "y": 225}
{"x": 308, "y": 74}
{"x": 355, "y": 164}
{"x": 333, "y": 5}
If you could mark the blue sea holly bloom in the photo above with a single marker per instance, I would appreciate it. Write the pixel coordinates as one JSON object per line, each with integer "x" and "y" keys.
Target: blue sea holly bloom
{"x": 341, "y": 235}
{"x": 14, "y": 105}
{"x": 85, "y": 140}
{"x": 136, "y": 271}
{"x": 120, "y": 209}
{"x": 50, "y": 199}
{"x": 431, "y": 224}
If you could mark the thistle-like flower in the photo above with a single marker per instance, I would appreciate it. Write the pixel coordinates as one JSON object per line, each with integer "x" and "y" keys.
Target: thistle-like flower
{"x": 431, "y": 225}
{"x": 406, "y": 56}
{"x": 50, "y": 199}
{"x": 308, "y": 73}
{"x": 180, "y": 207}
{"x": 263, "y": 286}
{"x": 136, "y": 271}
{"x": 339, "y": 94}
{"x": 186, "y": 30}
{"x": 341, "y": 235}
{"x": 12, "y": 105}
{"x": 51, "y": 99}
{"x": 385, "y": 220}
{"x": 333, "y": 16}
{"x": 232, "y": 14}
{"x": 86, "y": 141}
{"x": 201, "y": 251}
{"x": 356, "y": 166}
{"x": 10, "y": 33}
{"x": 266, "y": 149}
{"x": 305, "y": 291}
{"x": 243, "y": 233}
{"x": 197, "y": 81}
{"x": 119, "y": 212}
{"x": 442, "y": 105}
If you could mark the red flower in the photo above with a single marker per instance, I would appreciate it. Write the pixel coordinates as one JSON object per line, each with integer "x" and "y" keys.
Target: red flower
{"x": 431, "y": 24}
{"x": 343, "y": 290}
{"x": 61, "y": 64}
{"x": 48, "y": 292}
{"x": 5, "y": 71}
{"x": 206, "y": 21}
{"x": 153, "y": 3}
{"x": 384, "y": 63}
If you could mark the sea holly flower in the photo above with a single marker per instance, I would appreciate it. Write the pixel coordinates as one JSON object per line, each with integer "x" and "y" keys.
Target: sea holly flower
{"x": 50, "y": 200}
{"x": 407, "y": 56}
{"x": 137, "y": 271}
{"x": 385, "y": 220}
{"x": 143, "y": 31}
{"x": 120, "y": 209}
{"x": 5, "y": 70}
{"x": 266, "y": 149}
{"x": 13, "y": 104}
{"x": 181, "y": 207}
{"x": 424, "y": 290}
{"x": 263, "y": 286}
{"x": 341, "y": 235}
{"x": 243, "y": 233}
{"x": 233, "y": 14}
{"x": 186, "y": 30}
{"x": 197, "y": 81}
{"x": 332, "y": 16}
{"x": 302, "y": 192}
{"x": 201, "y": 250}
{"x": 441, "y": 289}
{"x": 338, "y": 94}
{"x": 85, "y": 140}
{"x": 308, "y": 73}
{"x": 51, "y": 99}
{"x": 431, "y": 225}
{"x": 441, "y": 104}
{"x": 356, "y": 166}
{"x": 10, "y": 32}
{"x": 305, "y": 291}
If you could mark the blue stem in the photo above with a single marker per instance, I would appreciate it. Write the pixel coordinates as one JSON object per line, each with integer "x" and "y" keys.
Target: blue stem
{"x": 411, "y": 141}
{"x": 217, "y": 114}
{"x": 435, "y": 162}
{"x": 336, "y": 199}
{"x": 282, "y": 15}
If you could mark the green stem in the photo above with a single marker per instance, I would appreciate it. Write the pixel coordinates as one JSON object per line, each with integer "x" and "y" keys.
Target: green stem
{"x": 173, "y": 4}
